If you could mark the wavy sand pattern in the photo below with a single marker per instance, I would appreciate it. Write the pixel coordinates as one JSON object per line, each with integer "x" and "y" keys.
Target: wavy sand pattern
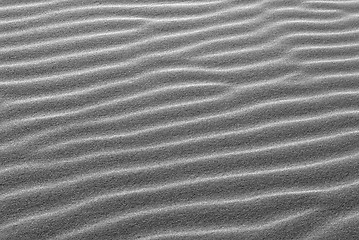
{"x": 206, "y": 119}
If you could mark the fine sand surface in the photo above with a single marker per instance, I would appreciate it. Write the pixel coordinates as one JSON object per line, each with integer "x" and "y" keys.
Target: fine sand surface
{"x": 184, "y": 119}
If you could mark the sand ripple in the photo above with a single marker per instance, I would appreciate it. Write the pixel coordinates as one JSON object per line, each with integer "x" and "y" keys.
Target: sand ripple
{"x": 206, "y": 119}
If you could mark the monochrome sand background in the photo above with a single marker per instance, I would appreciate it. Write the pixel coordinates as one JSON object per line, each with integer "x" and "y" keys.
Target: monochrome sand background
{"x": 204, "y": 119}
